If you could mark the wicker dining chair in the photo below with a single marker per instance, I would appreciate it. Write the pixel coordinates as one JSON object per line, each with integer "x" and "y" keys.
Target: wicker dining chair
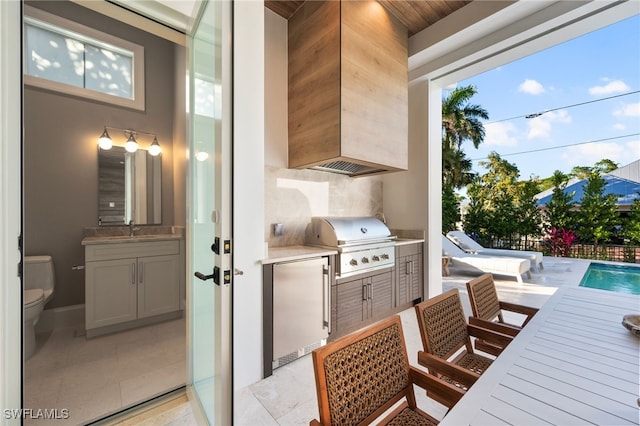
{"x": 360, "y": 376}
{"x": 446, "y": 339}
{"x": 487, "y": 310}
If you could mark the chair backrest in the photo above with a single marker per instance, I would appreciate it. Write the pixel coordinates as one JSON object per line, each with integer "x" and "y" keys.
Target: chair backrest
{"x": 443, "y": 326}
{"x": 484, "y": 298}
{"x": 463, "y": 240}
{"x": 362, "y": 374}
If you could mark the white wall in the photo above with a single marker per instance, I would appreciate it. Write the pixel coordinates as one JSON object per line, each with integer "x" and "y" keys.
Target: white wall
{"x": 248, "y": 192}
{"x": 411, "y": 198}
{"x": 276, "y": 92}
{"x": 10, "y": 292}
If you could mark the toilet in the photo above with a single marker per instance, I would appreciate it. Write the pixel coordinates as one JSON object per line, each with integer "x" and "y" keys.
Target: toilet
{"x": 39, "y": 282}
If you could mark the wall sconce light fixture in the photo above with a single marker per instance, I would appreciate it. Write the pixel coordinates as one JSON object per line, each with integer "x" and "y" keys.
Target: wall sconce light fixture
{"x": 105, "y": 141}
{"x": 131, "y": 145}
{"x": 155, "y": 149}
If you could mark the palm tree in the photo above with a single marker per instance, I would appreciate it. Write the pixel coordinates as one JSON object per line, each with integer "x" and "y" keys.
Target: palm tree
{"x": 460, "y": 122}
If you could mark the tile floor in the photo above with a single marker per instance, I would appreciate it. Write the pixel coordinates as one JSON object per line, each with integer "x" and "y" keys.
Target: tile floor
{"x": 119, "y": 375}
{"x": 289, "y": 397}
{"x": 102, "y": 375}
{"x": 174, "y": 410}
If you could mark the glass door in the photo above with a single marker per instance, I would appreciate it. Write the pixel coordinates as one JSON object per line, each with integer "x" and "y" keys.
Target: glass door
{"x": 209, "y": 214}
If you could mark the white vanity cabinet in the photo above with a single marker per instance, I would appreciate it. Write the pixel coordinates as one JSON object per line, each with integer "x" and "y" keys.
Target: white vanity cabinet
{"x": 130, "y": 284}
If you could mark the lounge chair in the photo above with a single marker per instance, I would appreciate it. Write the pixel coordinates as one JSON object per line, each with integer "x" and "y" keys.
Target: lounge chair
{"x": 498, "y": 265}
{"x": 470, "y": 245}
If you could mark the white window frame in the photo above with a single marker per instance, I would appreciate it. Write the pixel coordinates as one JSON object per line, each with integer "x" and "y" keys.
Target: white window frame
{"x": 96, "y": 38}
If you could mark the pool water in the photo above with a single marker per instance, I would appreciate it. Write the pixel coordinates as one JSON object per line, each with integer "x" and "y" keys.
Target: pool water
{"x": 621, "y": 279}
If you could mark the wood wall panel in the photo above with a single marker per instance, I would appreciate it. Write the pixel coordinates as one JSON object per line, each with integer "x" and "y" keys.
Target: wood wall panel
{"x": 348, "y": 85}
{"x": 374, "y": 85}
{"x": 314, "y": 83}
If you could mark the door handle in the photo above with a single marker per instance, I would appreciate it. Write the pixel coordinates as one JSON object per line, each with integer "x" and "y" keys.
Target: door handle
{"x": 237, "y": 271}
{"x": 202, "y": 276}
{"x": 215, "y": 275}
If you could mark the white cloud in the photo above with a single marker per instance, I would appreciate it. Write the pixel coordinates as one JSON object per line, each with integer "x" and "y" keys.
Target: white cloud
{"x": 531, "y": 87}
{"x": 613, "y": 86}
{"x": 500, "y": 134}
{"x": 619, "y": 126}
{"x": 628, "y": 110}
{"x": 591, "y": 153}
{"x": 633, "y": 147}
{"x": 540, "y": 127}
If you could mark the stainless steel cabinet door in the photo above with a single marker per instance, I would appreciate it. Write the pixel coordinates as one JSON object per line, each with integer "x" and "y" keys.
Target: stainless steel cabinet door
{"x": 300, "y": 305}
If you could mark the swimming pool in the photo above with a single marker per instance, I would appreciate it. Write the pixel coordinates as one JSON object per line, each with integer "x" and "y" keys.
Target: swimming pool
{"x": 622, "y": 279}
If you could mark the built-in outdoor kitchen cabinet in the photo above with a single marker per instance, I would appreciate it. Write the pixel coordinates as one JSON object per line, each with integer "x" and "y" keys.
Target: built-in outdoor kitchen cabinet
{"x": 360, "y": 301}
{"x": 130, "y": 283}
{"x": 409, "y": 274}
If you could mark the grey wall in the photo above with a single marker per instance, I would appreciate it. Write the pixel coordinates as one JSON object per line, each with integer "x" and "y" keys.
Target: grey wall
{"x": 60, "y": 152}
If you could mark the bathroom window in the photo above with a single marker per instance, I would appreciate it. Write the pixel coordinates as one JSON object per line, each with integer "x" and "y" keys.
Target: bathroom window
{"x": 67, "y": 57}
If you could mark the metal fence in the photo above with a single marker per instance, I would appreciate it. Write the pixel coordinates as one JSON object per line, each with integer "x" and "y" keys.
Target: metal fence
{"x": 612, "y": 252}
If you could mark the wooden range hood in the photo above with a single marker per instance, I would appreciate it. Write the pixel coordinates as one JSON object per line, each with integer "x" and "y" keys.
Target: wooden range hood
{"x": 348, "y": 88}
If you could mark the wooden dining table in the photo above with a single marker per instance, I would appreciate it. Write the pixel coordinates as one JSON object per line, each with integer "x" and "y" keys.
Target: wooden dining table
{"x": 573, "y": 364}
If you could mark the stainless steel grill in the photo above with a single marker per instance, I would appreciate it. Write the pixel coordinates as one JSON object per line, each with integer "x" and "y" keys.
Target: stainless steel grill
{"x": 363, "y": 243}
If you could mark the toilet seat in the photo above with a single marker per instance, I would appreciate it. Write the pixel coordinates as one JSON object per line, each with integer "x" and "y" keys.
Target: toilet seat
{"x": 32, "y": 297}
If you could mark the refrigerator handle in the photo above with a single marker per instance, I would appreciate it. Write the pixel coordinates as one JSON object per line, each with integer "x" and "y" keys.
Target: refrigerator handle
{"x": 326, "y": 296}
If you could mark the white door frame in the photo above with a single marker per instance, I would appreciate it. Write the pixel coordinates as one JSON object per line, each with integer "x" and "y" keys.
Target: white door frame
{"x": 10, "y": 210}
{"x": 222, "y": 218}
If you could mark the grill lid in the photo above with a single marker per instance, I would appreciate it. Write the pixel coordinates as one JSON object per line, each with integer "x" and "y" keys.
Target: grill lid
{"x": 341, "y": 231}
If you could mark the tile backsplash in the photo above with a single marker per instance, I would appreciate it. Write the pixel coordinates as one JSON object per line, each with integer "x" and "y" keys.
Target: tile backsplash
{"x": 293, "y": 196}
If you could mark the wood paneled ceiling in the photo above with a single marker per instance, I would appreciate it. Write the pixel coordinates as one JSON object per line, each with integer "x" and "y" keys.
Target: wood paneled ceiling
{"x": 416, "y": 15}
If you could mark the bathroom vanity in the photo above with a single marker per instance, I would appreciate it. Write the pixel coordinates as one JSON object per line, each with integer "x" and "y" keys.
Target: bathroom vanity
{"x": 132, "y": 281}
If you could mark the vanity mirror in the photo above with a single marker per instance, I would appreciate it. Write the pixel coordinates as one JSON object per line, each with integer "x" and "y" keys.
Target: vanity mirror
{"x": 129, "y": 187}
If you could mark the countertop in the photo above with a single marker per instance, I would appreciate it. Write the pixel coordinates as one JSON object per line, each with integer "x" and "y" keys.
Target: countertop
{"x": 291, "y": 253}
{"x": 120, "y": 234}
{"x": 300, "y": 252}
{"x": 406, "y": 241}
{"x": 118, "y": 239}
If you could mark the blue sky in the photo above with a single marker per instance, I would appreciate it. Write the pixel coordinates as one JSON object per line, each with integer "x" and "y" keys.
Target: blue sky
{"x": 598, "y": 65}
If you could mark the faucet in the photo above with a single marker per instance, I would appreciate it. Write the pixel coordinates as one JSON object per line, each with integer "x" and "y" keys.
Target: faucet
{"x": 131, "y": 227}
